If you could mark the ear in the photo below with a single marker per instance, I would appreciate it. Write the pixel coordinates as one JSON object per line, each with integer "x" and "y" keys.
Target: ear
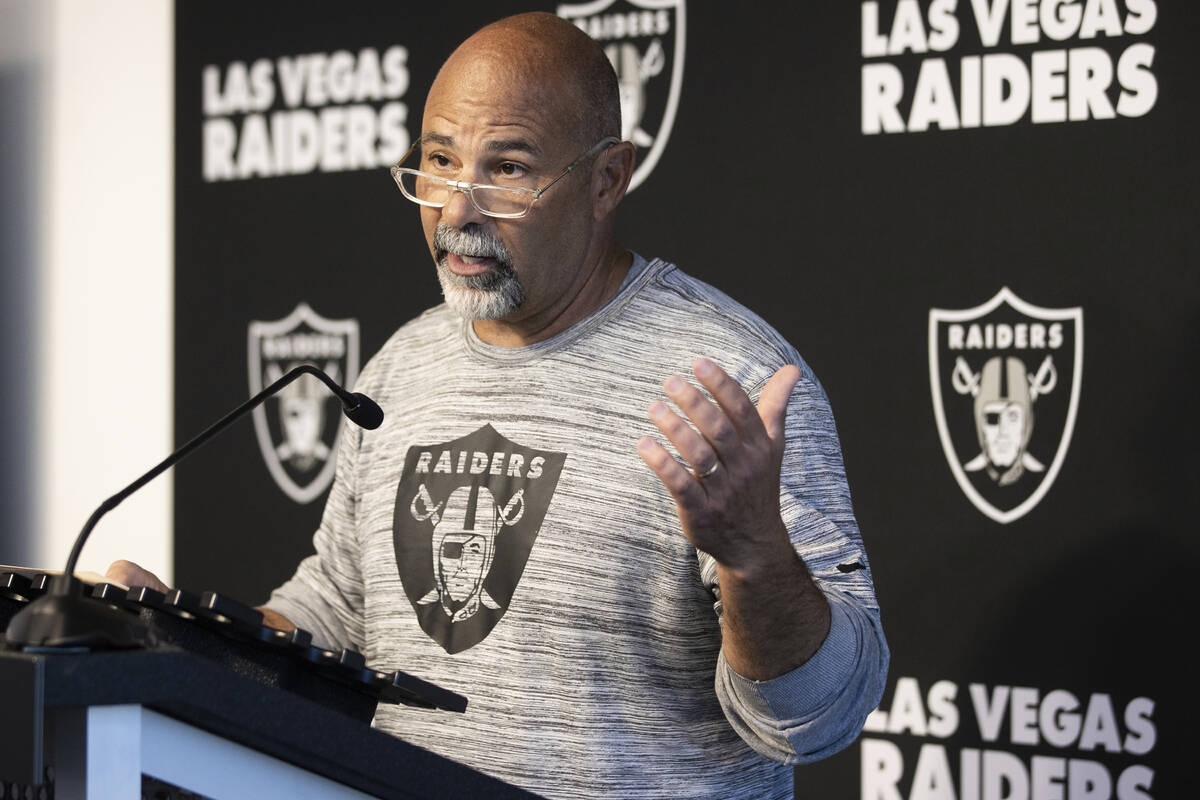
{"x": 610, "y": 178}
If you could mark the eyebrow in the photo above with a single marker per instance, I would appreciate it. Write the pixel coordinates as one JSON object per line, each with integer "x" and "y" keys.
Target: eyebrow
{"x": 510, "y": 145}
{"x": 436, "y": 138}
{"x": 493, "y": 146}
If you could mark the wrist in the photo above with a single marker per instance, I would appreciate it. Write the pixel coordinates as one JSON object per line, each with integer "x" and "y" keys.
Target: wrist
{"x": 771, "y": 556}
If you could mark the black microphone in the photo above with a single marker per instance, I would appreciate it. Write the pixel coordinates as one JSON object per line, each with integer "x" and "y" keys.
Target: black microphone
{"x": 366, "y": 413}
{"x": 358, "y": 408}
{"x": 65, "y": 618}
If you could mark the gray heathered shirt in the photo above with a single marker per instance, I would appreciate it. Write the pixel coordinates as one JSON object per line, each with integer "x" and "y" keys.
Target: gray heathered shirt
{"x": 500, "y": 537}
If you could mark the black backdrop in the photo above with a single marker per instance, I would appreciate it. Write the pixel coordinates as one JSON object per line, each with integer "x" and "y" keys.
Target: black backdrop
{"x": 846, "y": 241}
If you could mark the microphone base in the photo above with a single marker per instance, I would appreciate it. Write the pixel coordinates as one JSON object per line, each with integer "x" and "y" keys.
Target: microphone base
{"x": 63, "y": 619}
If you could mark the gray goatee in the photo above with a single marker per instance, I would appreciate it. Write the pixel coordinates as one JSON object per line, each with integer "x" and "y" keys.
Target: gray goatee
{"x": 491, "y": 295}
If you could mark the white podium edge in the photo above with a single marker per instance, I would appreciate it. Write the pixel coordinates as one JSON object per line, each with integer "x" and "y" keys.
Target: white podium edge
{"x": 103, "y": 751}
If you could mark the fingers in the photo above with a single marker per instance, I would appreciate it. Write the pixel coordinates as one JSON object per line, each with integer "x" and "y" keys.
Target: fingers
{"x": 733, "y": 419}
{"x": 130, "y": 574}
{"x": 678, "y": 481}
{"x": 730, "y": 396}
{"x": 730, "y": 431}
{"x": 694, "y": 448}
{"x": 716, "y": 434}
{"x": 773, "y": 402}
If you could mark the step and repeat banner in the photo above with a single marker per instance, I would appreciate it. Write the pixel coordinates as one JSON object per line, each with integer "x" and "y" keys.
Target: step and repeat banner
{"x": 975, "y": 218}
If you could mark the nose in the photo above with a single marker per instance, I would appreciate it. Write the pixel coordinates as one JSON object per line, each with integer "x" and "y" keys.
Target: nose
{"x": 460, "y": 210}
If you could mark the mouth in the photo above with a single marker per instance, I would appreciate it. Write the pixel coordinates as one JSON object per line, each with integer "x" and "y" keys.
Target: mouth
{"x": 466, "y": 265}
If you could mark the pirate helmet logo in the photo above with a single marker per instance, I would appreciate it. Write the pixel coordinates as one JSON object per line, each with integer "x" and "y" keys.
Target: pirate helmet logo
{"x": 644, "y": 40}
{"x": 302, "y": 415}
{"x": 467, "y": 514}
{"x": 1004, "y": 396}
{"x": 297, "y": 429}
{"x": 1016, "y": 409}
{"x": 464, "y": 545}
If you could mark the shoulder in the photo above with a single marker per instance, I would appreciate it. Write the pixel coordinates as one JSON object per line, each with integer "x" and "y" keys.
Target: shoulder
{"x": 417, "y": 341}
{"x": 676, "y": 305}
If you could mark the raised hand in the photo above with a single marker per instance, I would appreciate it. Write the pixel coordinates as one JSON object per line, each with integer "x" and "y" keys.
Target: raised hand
{"x": 775, "y": 616}
{"x": 728, "y": 502}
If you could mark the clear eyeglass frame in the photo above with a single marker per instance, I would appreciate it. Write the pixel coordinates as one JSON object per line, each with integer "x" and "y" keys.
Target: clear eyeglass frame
{"x": 518, "y": 198}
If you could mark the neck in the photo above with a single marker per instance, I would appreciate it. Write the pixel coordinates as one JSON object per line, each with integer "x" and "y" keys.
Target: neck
{"x": 598, "y": 284}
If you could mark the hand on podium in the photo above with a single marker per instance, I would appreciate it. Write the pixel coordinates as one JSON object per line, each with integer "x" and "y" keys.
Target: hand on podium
{"x": 130, "y": 574}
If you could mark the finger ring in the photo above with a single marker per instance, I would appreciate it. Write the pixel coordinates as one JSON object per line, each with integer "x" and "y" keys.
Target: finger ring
{"x": 710, "y": 470}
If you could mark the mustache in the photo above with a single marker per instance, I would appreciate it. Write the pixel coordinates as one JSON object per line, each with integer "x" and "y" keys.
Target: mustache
{"x": 470, "y": 241}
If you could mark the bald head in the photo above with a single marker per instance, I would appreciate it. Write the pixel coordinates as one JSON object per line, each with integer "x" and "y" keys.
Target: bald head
{"x": 548, "y": 56}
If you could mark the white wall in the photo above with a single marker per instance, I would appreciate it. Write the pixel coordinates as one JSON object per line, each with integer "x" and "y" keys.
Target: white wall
{"x": 105, "y": 282}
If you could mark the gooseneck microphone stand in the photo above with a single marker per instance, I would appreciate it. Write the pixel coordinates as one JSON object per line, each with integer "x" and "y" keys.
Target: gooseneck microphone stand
{"x": 66, "y": 619}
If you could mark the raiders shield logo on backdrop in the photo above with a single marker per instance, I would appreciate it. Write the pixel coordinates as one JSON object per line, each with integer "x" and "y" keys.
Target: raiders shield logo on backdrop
{"x": 644, "y": 40}
{"x": 1005, "y": 380}
{"x": 467, "y": 514}
{"x": 298, "y": 428}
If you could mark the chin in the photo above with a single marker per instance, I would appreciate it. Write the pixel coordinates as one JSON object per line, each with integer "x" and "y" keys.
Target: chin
{"x": 494, "y": 295}
{"x": 480, "y": 304}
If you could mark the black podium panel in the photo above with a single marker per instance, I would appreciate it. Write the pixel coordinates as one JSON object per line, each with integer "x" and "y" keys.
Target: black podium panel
{"x": 299, "y": 706}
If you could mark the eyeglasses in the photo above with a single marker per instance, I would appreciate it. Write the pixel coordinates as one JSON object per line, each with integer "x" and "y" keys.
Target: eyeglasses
{"x": 506, "y": 202}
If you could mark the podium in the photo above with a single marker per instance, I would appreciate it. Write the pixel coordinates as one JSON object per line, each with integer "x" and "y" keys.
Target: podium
{"x": 227, "y": 722}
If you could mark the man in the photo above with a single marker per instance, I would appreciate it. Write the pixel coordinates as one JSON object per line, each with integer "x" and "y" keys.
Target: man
{"x": 518, "y": 531}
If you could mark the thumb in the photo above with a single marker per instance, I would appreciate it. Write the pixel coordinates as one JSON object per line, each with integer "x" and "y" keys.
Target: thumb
{"x": 772, "y": 403}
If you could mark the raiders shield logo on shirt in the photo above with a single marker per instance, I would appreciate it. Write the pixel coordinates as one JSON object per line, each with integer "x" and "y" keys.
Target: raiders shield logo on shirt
{"x": 467, "y": 514}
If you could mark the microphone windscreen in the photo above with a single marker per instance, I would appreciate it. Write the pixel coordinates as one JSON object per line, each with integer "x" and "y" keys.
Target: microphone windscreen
{"x": 366, "y": 413}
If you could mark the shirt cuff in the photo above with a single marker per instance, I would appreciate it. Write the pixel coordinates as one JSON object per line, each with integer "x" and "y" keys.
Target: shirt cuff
{"x": 810, "y": 687}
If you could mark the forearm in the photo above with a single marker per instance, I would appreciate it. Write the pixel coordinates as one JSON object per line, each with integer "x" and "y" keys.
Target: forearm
{"x": 802, "y": 663}
{"x": 774, "y": 616}
{"x": 314, "y": 600}
{"x": 819, "y": 707}
{"x": 273, "y": 619}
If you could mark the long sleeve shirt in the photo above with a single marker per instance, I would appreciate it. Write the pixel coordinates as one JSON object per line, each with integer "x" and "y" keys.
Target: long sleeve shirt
{"x": 500, "y": 537}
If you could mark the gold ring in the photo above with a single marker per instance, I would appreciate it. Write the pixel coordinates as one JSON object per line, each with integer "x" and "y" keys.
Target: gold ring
{"x": 710, "y": 470}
